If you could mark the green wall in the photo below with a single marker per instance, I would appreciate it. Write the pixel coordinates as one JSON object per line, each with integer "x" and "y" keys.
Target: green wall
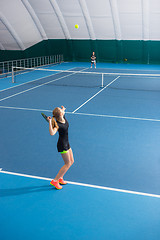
{"x": 146, "y": 52}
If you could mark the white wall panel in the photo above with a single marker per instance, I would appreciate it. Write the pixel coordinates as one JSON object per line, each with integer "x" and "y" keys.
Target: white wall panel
{"x": 101, "y": 9}
{"x": 131, "y": 26}
{"x": 155, "y": 32}
{"x": 101, "y": 17}
{"x": 154, "y": 20}
{"x": 130, "y": 15}
{"x": 129, "y": 6}
{"x": 103, "y": 28}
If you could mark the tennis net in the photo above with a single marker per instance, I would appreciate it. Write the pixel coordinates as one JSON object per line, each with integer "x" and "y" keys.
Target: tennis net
{"x": 84, "y": 78}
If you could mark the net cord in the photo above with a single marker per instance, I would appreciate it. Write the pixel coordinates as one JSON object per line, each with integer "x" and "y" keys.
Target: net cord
{"x": 51, "y": 70}
{"x": 82, "y": 71}
{"x": 109, "y": 73}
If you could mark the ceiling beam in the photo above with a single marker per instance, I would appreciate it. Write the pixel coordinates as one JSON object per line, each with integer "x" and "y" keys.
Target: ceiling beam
{"x": 116, "y": 21}
{"x": 1, "y": 47}
{"x": 35, "y": 19}
{"x": 12, "y": 31}
{"x": 60, "y": 19}
{"x": 87, "y": 19}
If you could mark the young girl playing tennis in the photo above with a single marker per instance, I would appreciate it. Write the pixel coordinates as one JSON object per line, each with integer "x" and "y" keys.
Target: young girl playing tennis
{"x": 61, "y": 125}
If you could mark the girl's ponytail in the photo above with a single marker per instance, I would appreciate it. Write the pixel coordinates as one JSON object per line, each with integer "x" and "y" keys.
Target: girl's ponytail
{"x": 54, "y": 123}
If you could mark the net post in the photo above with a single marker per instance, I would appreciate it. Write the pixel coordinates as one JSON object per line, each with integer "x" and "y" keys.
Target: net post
{"x": 13, "y": 80}
{"x": 102, "y": 80}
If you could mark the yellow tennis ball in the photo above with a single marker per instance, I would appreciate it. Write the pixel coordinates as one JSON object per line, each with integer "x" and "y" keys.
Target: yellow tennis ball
{"x": 76, "y": 26}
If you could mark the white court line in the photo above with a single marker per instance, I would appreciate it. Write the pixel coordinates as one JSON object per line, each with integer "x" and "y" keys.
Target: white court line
{"x": 84, "y": 114}
{"x": 86, "y": 185}
{"x": 114, "y": 116}
{"x": 72, "y": 69}
{"x": 29, "y": 89}
{"x": 25, "y": 82}
{"x": 95, "y": 95}
{"x": 26, "y": 109}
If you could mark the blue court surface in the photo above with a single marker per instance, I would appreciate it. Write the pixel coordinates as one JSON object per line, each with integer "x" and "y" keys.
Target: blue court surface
{"x": 113, "y": 190}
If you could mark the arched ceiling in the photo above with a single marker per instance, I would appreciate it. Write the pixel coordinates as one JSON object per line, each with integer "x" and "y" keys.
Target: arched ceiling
{"x": 24, "y": 23}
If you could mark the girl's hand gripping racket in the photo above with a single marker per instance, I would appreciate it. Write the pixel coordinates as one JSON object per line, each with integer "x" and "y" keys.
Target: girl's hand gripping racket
{"x": 45, "y": 117}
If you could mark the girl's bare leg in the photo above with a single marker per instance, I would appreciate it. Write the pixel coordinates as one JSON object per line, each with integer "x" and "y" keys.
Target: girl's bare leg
{"x": 68, "y": 161}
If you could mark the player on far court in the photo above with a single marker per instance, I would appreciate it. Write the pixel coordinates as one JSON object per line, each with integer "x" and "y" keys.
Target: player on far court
{"x": 93, "y": 59}
{"x": 59, "y": 123}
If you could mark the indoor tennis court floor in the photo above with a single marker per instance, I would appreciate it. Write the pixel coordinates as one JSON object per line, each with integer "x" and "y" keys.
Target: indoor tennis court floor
{"x": 113, "y": 190}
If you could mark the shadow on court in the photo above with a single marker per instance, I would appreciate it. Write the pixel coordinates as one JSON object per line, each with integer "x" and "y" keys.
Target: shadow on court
{"x": 25, "y": 190}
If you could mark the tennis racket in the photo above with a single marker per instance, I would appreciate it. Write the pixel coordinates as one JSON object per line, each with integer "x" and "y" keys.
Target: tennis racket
{"x": 45, "y": 117}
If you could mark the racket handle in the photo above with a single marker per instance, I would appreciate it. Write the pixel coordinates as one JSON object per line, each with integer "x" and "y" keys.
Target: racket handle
{"x": 45, "y": 117}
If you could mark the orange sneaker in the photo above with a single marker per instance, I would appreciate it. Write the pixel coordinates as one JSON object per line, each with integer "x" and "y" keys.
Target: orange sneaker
{"x": 56, "y": 184}
{"x": 61, "y": 181}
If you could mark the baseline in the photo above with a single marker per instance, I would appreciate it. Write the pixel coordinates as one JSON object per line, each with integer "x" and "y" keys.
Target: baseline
{"x": 84, "y": 114}
{"x": 86, "y": 185}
